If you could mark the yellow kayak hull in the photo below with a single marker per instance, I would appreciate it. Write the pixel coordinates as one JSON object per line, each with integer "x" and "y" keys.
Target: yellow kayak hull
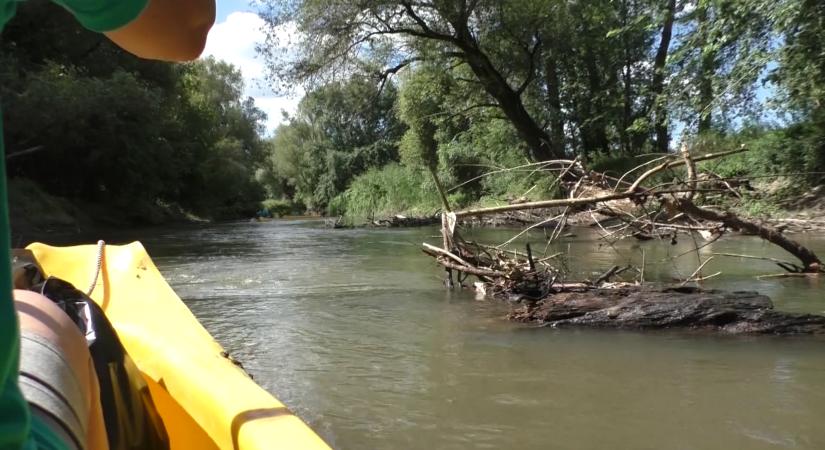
{"x": 206, "y": 402}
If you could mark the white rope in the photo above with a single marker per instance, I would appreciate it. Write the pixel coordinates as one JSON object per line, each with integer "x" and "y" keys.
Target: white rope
{"x": 100, "y": 245}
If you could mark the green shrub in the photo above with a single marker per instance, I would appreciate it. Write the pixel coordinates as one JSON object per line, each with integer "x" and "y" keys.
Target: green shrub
{"x": 752, "y": 207}
{"x": 792, "y": 150}
{"x": 618, "y": 165}
{"x": 392, "y": 189}
{"x": 29, "y": 203}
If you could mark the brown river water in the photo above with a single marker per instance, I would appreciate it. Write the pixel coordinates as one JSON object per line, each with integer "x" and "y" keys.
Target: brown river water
{"x": 353, "y": 330}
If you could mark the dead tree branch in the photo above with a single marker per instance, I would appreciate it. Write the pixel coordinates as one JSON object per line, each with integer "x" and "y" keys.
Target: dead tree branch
{"x": 810, "y": 262}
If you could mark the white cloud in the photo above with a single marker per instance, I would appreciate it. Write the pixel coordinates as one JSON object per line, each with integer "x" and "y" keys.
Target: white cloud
{"x": 234, "y": 40}
{"x": 274, "y": 107}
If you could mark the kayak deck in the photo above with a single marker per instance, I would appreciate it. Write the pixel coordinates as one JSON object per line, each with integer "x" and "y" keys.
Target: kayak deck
{"x": 206, "y": 402}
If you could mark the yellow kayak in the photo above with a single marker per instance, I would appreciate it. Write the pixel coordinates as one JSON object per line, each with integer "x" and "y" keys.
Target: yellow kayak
{"x": 206, "y": 401}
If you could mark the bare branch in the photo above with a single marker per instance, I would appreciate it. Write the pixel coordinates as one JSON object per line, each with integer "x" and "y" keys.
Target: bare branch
{"x": 679, "y": 162}
{"x": 810, "y": 261}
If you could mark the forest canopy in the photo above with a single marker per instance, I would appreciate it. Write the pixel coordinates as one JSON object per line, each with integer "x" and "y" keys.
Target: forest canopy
{"x": 93, "y": 124}
{"x": 499, "y": 83}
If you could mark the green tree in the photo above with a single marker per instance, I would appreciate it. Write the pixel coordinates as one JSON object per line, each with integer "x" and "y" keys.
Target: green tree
{"x": 420, "y": 106}
{"x": 339, "y": 131}
{"x": 91, "y": 123}
{"x": 581, "y": 77}
{"x": 339, "y": 37}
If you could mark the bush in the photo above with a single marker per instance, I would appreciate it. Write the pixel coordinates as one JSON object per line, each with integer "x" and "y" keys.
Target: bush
{"x": 793, "y": 151}
{"x": 30, "y": 204}
{"x": 392, "y": 189}
{"x": 618, "y": 165}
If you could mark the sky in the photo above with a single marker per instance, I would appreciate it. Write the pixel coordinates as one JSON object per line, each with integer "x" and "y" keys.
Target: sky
{"x": 233, "y": 37}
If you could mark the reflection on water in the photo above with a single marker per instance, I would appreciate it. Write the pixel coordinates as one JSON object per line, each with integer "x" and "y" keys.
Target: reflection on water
{"x": 352, "y": 329}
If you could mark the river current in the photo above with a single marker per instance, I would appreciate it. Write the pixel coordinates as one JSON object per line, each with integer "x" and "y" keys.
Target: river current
{"x": 354, "y": 331}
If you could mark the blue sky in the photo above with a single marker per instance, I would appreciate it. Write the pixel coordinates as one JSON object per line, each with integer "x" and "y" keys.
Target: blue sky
{"x": 225, "y": 7}
{"x": 237, "y": 29}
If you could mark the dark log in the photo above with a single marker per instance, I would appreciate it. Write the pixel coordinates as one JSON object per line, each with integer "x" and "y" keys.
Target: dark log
{"x": 685, "y": 308}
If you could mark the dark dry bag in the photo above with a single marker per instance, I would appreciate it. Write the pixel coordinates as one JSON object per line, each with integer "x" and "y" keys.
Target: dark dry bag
{"x": 132, "y": 422}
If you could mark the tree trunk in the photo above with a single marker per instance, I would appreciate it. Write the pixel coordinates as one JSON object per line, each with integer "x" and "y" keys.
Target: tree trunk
{"x": 596, "y": 128}
{"x": 627, "y": 98}
{"x": 510, "y": 103}
{"x": 490, "y": 78}
{"x": 707, "y": 68}
{"x": 657, "y": 88}
{"x": 551, "y": 76}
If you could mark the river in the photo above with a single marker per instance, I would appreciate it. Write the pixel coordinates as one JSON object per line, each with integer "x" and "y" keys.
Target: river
{"x": 353, "y": 330}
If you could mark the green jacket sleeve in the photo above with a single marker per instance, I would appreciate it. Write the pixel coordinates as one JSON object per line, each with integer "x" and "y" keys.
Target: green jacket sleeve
{"x": 7, "y": 9}
{"x": 14, "y": 412}
{"x": 104, "y": 15}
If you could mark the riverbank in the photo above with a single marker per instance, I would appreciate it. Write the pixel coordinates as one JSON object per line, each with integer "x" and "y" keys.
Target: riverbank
{"x": 805, "y": 220}
{"x": 792, "y": 213}
{"x": 32, "y": 211}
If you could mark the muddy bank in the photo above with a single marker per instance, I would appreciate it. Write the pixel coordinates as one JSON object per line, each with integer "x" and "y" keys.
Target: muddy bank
{"x": 801, "y": 221}
{"x": 667, "y": 308}
{"x": 34, "y": 213}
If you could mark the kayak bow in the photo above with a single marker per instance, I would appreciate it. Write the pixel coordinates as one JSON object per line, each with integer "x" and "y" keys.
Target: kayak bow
{"x": 205, "y": 400}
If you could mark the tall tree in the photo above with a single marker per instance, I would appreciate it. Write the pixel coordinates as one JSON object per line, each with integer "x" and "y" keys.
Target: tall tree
{"x": 723, "y": 48}
{"x": 336, "y": 36}
{"x": 92, "y": 123}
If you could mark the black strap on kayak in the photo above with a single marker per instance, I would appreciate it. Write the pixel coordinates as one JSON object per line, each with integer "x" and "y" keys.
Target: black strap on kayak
{"x": 132, "y": 421}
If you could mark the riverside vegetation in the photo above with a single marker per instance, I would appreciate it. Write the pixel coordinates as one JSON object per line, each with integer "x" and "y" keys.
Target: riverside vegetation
{"x": 403, "y": 96}
{"x": 478, "y": 86}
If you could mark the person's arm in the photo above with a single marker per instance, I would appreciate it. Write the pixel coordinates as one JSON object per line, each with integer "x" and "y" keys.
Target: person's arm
{"x": 170, "y": 30}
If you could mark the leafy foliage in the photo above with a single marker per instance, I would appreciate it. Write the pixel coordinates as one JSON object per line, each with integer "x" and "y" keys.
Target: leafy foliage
{"x": 396, "y": 89}
{"x": 340, "y": 131}
{"x": 389, "y": 190}
{"x": 486, "y": 84}
{"x": 89, "y": 122}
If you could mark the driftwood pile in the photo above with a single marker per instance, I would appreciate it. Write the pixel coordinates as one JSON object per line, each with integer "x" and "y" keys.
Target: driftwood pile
{"x": 637, "y": 209}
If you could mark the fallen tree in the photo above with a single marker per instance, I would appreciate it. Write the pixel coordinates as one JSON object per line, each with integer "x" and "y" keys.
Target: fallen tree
{"x": 810, "y": 262}
{"x": 644, "y": 212}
